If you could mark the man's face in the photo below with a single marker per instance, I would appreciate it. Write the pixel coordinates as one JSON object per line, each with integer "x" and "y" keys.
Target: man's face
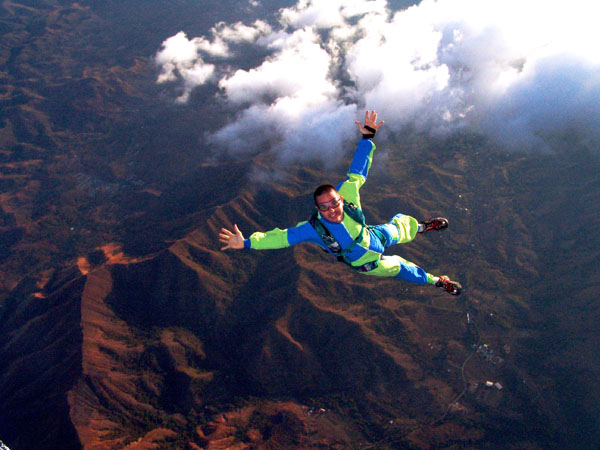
{"x": 331, "y": 206}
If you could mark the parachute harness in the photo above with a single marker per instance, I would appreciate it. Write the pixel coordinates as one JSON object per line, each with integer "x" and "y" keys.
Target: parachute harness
{"x": 334, "y": 247}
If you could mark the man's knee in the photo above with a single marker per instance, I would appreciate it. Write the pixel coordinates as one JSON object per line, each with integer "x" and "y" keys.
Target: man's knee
{"x": 406, "y": 226}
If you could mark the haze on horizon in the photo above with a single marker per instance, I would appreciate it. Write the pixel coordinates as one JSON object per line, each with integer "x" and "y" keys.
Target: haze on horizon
{"x": 525, "y": 74}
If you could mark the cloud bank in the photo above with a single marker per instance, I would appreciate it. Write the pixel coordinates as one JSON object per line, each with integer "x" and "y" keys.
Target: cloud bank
{"x": 523, "y": 73}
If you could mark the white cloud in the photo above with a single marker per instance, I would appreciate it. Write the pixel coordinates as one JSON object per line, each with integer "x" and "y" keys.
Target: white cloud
{"x": 179, "y": 58}
{"x": 330, "y": 13}
{"x": 560, "y": 94}
{"x": 520, "y": 72}
{"x": 299, "y": 69}
{"x": 177, "y": 53}
{"x": 295, "y": 133}
{"x": 238, "y": 32}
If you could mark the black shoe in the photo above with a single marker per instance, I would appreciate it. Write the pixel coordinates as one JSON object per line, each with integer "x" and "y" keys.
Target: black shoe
{"x": 445, "y": 283}
{"x": 437, "y": 224}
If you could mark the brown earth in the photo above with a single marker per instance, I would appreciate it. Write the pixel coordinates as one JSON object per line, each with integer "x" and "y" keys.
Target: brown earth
{"x": 124, "y": 326}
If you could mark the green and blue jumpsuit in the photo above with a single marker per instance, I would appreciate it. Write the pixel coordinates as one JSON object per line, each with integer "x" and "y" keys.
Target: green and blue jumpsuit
{"x": 399, "y": 230}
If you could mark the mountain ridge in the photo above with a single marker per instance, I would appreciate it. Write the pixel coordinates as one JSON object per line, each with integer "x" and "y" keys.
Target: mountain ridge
{"x": 125, "y": 326}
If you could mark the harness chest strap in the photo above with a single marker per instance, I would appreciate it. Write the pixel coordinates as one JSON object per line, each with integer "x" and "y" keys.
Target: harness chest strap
{"x": 334, "y": 247}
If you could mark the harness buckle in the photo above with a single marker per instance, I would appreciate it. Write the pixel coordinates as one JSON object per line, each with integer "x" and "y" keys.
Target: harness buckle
{"x": 367, "y": 267}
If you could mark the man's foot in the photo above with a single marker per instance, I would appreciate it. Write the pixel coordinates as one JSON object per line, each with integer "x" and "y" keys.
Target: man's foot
{"x": 437, "y": 224}
{"x": 452, "y": 287}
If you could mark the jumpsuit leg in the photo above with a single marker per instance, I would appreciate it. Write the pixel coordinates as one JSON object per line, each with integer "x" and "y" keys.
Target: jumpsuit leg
{"x": 399, "y": 230}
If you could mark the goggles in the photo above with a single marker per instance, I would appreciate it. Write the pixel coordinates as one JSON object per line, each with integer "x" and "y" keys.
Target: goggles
{"x": 330, "y": 204}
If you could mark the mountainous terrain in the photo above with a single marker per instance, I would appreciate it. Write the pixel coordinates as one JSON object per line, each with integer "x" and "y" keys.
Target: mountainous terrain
{"x": 125, "y": 326}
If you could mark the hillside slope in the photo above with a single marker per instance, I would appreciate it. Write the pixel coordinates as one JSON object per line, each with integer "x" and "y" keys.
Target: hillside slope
{"x": 193, "y": 346}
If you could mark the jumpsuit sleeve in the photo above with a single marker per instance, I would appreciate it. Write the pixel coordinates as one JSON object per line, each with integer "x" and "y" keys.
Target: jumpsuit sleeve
{"x": 359, "y": 169}
{"x": 278, "y": 238}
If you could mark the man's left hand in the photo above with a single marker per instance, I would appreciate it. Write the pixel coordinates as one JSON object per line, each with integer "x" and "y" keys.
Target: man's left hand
{"x": 370, "y": 121}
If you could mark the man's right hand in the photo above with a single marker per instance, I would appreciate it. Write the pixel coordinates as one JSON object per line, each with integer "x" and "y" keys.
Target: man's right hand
{"x": 234, "y": 240}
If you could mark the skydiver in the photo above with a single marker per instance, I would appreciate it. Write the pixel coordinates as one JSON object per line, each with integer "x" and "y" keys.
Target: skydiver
{"x": 338, "y": 226}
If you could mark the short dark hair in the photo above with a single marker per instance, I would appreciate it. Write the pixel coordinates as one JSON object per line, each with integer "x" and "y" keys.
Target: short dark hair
{"x": 322, "y": 190}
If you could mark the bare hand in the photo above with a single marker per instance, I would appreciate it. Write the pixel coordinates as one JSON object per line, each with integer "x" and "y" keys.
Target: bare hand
{"x": 234, "y": 240}
{"x": 370, "y": 121}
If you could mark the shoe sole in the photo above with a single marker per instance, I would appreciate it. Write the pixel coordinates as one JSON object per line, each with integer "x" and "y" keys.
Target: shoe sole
{"x": 439, "y": 228}
{"x": 456, "y": 288}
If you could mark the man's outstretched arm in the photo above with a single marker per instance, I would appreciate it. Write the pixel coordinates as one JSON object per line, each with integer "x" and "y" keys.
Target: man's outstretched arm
{"x": 364, "y": 152}
{"x": 361, "y": 162}
{"x": 269, "y": 240}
